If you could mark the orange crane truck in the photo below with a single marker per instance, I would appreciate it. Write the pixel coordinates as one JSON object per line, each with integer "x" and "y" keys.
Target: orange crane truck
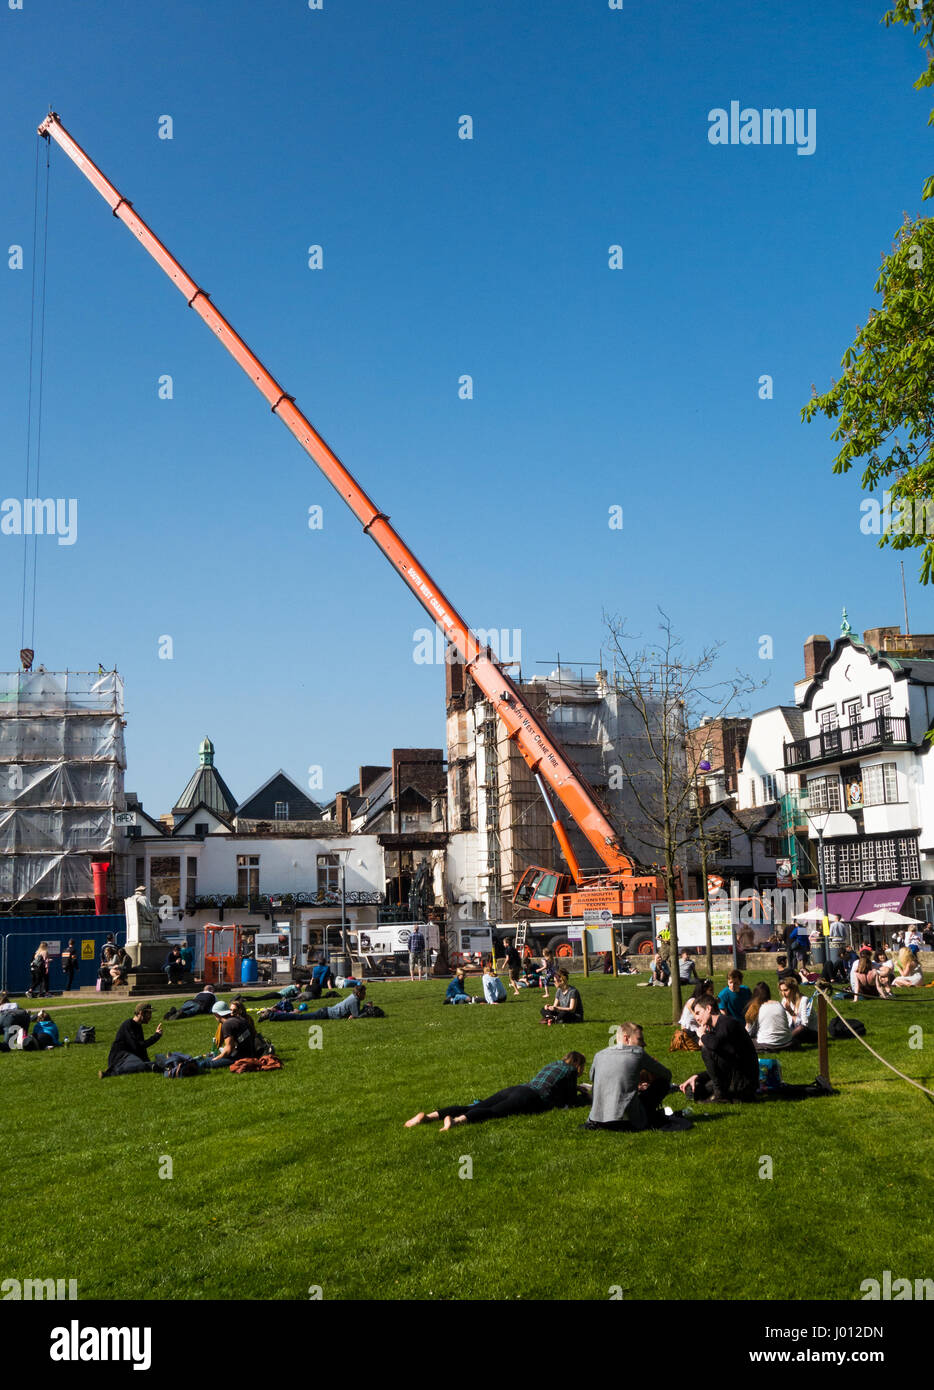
{"x": 621, "y": 888}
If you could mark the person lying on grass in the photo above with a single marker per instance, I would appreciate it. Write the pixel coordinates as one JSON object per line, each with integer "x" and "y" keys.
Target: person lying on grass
{"x": 202, "y": 1003}
{"x": 347, "y": 1008}
{"x": 554, "y": 1086}
{"x": 567, "y": 1007}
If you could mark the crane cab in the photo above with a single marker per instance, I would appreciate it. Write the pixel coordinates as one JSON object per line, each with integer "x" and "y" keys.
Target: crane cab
{"x": 539, "y": 889}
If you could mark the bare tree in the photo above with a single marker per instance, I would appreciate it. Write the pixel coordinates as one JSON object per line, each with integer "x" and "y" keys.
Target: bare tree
{"x": 669, "y": 693}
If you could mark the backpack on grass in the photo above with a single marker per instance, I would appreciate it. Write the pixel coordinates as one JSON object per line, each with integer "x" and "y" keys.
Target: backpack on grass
{"x": 372, "y": 1011}
{"x": 86, "y": 1033}
{"x": 838, "y": 1029}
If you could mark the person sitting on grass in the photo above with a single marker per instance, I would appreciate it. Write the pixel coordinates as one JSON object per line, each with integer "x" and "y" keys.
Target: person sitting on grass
{"x": 45, "y": 1030}
{"x": 863, "y": 981}
{"x": 554, "y": 1086}
{"x": 798, "y": 1008}
{"x": 567, "y": 1007}
{"x": 730, "y": 1057}
{"x": 234, "y": 1039}
{"x": 202, "y": 1003}
{"x": 785, "y": 971}
{"x": 128, "y": 1053}
{"x": 910, "y": 974}
{"x": 735, "y": 999}
{"x": 456, "y": 992}
{"x": 529, "y": 977}
{"x": 661, "y": 972}
{"x": 687, "y": 971}
{"x": 628, "y": 1084}
{"x": 347, "y": 1008}
{"x": 494, "y": 991}
{"x": 766, "y": 1021}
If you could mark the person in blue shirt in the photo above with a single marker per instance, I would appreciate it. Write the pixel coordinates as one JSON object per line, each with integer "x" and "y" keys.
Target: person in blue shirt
{"x": 736, "y": 998}
{"x": 456, "y": 991}
{"x": 494, "y": 991}
{"x": 45, "y": 1031}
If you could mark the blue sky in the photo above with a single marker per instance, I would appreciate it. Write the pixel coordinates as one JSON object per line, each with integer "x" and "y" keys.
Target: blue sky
{"x": 442, "y": 257}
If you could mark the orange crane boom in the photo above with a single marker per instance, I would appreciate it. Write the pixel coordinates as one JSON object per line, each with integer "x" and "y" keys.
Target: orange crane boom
{"x": 535, "y": 743}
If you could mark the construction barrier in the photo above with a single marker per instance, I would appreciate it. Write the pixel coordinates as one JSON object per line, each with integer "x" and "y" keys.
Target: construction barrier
{"x": 88, "y": 933}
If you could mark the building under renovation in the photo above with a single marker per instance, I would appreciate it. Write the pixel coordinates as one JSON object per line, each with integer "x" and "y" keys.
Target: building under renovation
{"x": 498, "y": 823}
{"x": 61, "y": 785}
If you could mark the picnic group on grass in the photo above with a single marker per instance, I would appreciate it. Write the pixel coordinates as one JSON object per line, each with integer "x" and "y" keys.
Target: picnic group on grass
{"x": 731, "y": 1030}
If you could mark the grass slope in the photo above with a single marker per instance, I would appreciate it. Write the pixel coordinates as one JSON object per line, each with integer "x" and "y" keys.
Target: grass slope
{"x": 306, "y": 1177}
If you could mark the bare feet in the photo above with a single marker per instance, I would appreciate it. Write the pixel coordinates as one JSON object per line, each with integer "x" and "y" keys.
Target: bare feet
{"x": 446, "y": 1124}
{"x": 415, "y": 1120}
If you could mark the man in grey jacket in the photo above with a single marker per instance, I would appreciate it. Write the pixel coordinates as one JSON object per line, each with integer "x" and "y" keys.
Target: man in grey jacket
{"x": 628, "y": 1084}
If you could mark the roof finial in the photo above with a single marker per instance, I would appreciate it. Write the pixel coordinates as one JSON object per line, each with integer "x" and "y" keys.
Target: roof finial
{"x": 845, "y": 629}
{"x": 206, "y": 752}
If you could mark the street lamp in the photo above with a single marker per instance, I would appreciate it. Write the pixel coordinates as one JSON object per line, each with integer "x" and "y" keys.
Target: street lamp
{"x": 819, "y": 818}
{"x": 344, "y": 855}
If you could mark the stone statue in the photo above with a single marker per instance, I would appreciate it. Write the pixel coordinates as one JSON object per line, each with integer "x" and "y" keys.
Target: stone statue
{"x": 143, "y": 923}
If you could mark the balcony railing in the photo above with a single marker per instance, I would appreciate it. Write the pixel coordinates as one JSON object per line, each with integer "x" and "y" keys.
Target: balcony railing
{"x": 264, "y": 902}
{"x": 830, "y": 745}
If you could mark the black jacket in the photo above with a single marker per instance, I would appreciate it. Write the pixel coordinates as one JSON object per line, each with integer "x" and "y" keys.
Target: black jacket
{"x": 733, "y": 1048}
{"x": 130, "y": 1040}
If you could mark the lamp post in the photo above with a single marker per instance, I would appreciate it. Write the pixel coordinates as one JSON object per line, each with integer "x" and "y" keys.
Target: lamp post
{"x": 819, "y": 819}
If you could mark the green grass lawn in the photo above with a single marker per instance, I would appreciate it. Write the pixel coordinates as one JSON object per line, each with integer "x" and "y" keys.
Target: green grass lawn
{"x": 307, "y": 1177}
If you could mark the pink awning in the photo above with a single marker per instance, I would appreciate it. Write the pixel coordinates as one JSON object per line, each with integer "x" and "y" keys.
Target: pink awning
{"x": 876, "y": 898}
{"x": 844, "y": 904}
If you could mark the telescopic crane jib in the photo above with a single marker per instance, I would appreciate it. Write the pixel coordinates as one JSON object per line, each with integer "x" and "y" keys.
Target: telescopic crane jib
{"x": 622, "y": 889}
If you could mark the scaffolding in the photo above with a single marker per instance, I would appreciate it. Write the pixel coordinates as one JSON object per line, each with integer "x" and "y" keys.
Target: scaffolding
{"x": 62, "y": 761}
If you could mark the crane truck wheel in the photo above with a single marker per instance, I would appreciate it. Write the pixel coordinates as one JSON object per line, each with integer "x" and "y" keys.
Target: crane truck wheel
{"x": 563, "y": 949}
{"x": 641, "y": 945}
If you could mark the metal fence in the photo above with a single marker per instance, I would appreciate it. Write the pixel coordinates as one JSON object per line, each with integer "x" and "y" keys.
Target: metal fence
{"x": 88, "y": 933}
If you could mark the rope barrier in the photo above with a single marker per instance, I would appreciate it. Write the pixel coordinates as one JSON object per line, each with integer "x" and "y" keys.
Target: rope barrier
{"x": 826, "y": 994}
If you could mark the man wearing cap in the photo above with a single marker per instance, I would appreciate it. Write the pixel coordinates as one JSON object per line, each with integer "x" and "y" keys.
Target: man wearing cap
{"x": 236, "y": 1037}
{"x": 128, "y": 1053}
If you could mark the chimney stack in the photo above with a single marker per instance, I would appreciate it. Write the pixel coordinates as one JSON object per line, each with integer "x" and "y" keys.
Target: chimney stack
{"x": 816, "y": 651}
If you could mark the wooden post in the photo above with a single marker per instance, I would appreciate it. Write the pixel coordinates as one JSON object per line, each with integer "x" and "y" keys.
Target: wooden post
{"x": 613, "y": 947}
{"x": 823, "y": 1059}
{"x": 584, "y": 951}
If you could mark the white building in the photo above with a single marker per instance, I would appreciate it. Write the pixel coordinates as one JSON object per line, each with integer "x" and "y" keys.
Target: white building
{"x": 863, "y": 761}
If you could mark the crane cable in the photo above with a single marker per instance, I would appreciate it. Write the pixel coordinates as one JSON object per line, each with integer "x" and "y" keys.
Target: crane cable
{"x": 32, "y": 490}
